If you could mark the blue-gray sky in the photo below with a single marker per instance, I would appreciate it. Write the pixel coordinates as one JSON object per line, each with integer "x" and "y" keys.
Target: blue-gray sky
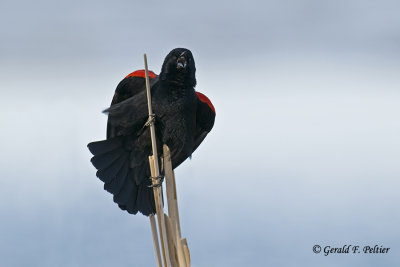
{"x": 305, "y": 148}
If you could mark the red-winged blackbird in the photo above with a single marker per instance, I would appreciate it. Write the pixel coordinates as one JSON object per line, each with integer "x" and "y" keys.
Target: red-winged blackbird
{"x": 183, "y": 118}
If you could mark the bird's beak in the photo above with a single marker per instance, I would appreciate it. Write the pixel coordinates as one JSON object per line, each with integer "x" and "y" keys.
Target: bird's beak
{"x": 181, "y": 62}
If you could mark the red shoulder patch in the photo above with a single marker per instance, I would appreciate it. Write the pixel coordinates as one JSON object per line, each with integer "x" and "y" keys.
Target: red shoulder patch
{"x": 141, "y": 73}
{"x": 205, "y": 99}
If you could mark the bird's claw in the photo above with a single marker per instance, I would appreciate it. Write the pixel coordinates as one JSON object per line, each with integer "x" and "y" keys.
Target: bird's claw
{"x": 150, "y": 120}
{"x": 158, "y": 181}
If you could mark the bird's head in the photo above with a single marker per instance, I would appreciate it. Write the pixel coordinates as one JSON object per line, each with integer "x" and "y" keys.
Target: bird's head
{"x": 179, "y": 68}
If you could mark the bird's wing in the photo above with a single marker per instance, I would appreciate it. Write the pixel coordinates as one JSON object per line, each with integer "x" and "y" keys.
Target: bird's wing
{"x": 131, "y": 85}
{"x": 128, "y": 116}
{"x": 205, "y": 117}
{"x": 121, "y": 159}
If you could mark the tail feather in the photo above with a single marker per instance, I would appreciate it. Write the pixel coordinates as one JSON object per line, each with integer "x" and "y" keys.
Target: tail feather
{"x": 116, "y": 184}
{"x": 141, "y": 172}
{"x": 137, "y": 157}
{"x": 123, "y": 167}
{"x": 123, "y": 195}
{"x": 127, "y": 198}
{"x": 102, "y": 161}
{"x": 104, "y": 146}
{"x": 132, "y": 205}
{"x": 146, "y": 200}
{"x": 110, "y": 172}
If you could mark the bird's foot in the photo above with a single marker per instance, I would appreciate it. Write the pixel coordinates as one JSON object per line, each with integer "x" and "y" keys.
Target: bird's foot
{"x": 156, "y": 181}
{"x": 150, "y": 120}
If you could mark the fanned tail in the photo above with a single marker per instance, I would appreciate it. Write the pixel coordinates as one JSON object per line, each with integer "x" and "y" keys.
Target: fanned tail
{"x": 124, "y": 169}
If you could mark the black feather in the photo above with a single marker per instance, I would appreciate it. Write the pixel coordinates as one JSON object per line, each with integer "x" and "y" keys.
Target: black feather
{"x": 131, "y": 205}
{"x": 139, "y": 173}
{"x": 182, "y": 121}
{"x": 109, "y": 173}
{"x": 143, "y": 200}
{"x": 101, "y": 147}
{"x": 102, "y": 161}
{"x": 122, "y": 196}
{"x": 116, "y": 184}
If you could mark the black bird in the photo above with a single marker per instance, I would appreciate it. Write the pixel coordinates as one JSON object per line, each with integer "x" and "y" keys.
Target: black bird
{"x": 183, "y": 118}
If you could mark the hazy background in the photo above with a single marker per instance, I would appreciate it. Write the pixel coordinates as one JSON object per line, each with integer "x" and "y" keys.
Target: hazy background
{"x": 305, "y": 148}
